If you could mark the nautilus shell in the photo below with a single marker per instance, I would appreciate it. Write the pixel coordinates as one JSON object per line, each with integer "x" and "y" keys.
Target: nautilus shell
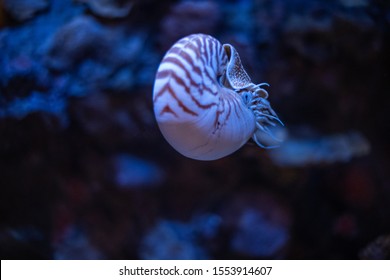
{"x": 205, "y": 104}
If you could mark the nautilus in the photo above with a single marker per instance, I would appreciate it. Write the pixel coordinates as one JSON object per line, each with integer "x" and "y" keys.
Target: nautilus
{"x": 205, "y": 103}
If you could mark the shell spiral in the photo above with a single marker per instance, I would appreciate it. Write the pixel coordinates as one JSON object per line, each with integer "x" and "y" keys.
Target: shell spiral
{"x": 204, "y": 102}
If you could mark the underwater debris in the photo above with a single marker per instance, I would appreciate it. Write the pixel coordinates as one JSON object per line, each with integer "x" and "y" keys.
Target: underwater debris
{"x": 109, "y": 8}
{"x": 24, "y": 9}
{"x": 318, "y": 150}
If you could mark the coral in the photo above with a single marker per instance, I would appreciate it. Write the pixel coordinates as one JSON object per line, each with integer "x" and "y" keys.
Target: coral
{"x": 258, "y": 237}
{"x": 73, "y": 42}
{"x": 319, "y": 150}
{"x": 24, "y": 9}
{"x": 75, "y": 245}
{"x": 171, "y": 240}
{"x": 178, "y": 240}
{"x": 379, "y": 249}
{"x": 109, "y": 9}
{"x": 259, "y": 225}
{"x": 29, "y": 240}
{"x": 187, "y": 17}
{"x": 36, "y": 102}
{"x": 132, "y": 172}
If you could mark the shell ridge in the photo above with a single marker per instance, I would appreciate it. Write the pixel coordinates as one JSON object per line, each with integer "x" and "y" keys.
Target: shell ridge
{"x": 174, "y": 80}
{"x": 179, "y": 102}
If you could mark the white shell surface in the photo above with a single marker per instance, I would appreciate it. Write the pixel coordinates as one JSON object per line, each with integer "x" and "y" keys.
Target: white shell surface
{"x": 198, "y": 116}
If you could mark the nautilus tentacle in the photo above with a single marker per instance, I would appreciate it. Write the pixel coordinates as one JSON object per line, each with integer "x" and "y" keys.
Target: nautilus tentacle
{"x": 205, "y": 103}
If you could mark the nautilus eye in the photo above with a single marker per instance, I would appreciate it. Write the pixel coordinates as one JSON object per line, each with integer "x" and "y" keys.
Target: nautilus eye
{"x": 205, "y": 103}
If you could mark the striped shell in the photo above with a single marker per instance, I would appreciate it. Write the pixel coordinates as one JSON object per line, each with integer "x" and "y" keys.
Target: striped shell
{"x": 205, "y": 103}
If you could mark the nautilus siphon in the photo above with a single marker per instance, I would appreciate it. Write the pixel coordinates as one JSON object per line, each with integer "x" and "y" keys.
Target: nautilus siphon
{"x": 205, "y": 104}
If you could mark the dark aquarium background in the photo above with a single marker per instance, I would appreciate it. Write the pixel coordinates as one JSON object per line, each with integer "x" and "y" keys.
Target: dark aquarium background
{"x": 86, "y": 174}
